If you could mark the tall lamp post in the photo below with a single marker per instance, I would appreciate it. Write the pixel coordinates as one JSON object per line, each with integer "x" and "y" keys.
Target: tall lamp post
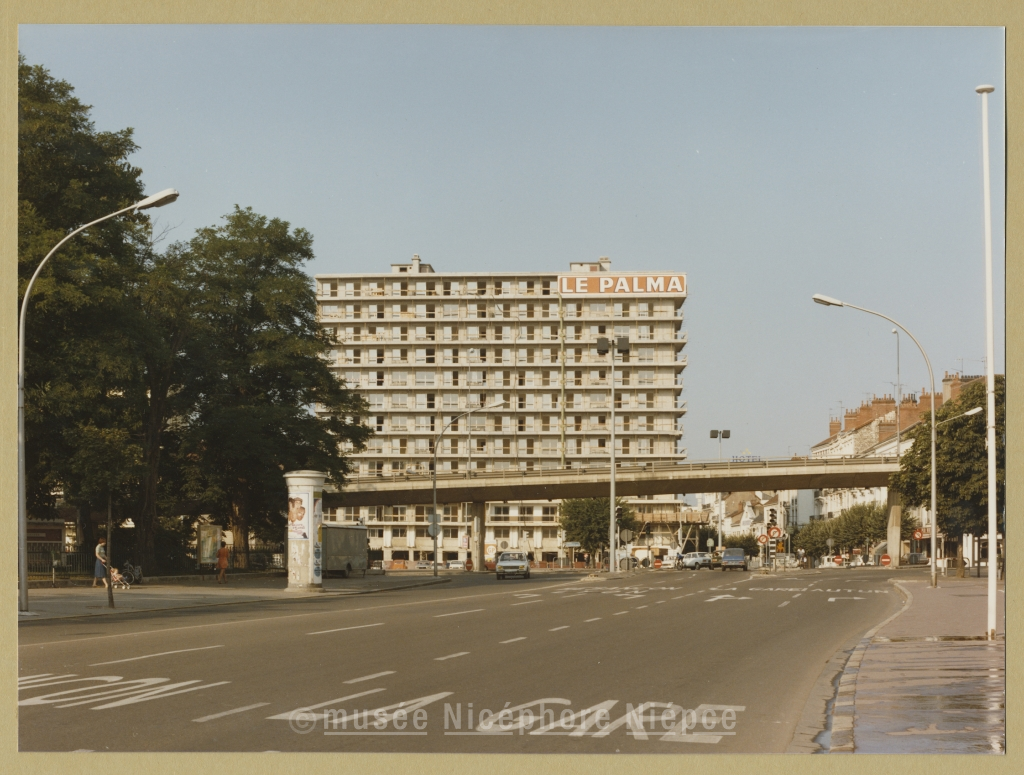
{"x": 899, "y": 394}
{"x": 830, "y": 302}
{"x": 165, "y": 197}
{"x": 433, "y": 472}
{"x": 990, "y": 373}
{"x": 604, "y": 346}
{"x": 720, "y": 435}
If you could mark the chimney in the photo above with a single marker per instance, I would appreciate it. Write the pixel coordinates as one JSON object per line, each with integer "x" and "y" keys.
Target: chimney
{"x": 606, "y": 263}
{"x": 415, "y": 265}
{"x": 834, "y": 426}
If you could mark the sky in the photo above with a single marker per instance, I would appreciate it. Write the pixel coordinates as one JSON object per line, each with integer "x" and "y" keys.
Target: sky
{"x": 768, "y": 164}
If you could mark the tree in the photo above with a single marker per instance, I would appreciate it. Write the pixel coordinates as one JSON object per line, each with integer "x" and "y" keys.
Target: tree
{"x": 76, "y": 365}
{"x": 264, "y": 400}
{"x": 745, "y": 541}
{"x": 587, "y": 520}
{"x": 861, "y": 526}
{"x": 961, "y": 462}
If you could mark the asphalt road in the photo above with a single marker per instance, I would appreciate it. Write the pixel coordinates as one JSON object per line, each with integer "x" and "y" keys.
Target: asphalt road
{"x": 658, "y": 662}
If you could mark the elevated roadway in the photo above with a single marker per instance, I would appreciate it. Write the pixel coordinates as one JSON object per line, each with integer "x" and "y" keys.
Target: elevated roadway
{"x": 632, "y": 480}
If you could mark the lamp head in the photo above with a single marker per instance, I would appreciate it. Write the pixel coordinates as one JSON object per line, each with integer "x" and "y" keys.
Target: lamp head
{"x": 985, "y": 89}
{"x": 827, "y": 301}
{"x": 160, "y": 199}
{"x": 970, "y": 412}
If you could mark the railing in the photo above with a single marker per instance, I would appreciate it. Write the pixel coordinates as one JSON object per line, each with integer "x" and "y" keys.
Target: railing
{"x": 806, "y": 464}
{"x": 44, "y": 563}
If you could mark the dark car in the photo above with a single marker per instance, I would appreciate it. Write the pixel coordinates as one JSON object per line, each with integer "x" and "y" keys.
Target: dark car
{"x": 734, "y": 558}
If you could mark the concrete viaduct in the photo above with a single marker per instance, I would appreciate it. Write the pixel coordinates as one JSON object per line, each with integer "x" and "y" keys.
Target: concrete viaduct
{"x": 631, "y": 480}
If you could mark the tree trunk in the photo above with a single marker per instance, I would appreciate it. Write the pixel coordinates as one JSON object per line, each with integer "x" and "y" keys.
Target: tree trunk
{"x": 146, "y": 513}
{"x": 240, "y": 531}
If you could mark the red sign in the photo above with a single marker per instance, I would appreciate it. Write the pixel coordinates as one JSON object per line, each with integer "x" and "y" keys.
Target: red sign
{"x": 657, "y": 563}
{"x": 774, "y": 532}
{"x": 837, "y": 560}
{"x": 856, "y": 551}
{"x": 885, "y": 559}
{"x": 918, "y": 535}
{"x": 762, "y": 539}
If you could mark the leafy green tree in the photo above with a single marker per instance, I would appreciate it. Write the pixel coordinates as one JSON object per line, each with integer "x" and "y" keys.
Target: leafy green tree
{"x": 862, "y": 526}
{"x": 586, "y": 520}
{"x": 961, "y": 462}
{"x": 69, "y": 174}
{"x": 745, "y": 541}
{"x": 264, "y": 400}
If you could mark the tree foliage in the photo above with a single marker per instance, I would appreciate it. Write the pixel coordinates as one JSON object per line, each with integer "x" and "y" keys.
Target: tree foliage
{"x": 182, "y": 382}
{"x": 587, "y": 520}
{"x": 961, "y": 462}
{"x": 862, "y": 526}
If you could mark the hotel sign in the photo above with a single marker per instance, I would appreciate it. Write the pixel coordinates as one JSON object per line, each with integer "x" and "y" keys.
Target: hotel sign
{"x": 628, "y": 284}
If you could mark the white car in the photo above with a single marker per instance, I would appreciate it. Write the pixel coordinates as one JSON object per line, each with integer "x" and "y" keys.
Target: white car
{"x": 512, "y": 564}
{"x": 456, "y": 565}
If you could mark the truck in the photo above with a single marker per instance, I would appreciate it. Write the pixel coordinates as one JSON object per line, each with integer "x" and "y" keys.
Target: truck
{"x": 345, "y": 549}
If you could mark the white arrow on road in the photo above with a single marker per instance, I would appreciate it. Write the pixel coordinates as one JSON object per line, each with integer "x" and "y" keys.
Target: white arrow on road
{"x": 726, "y": 597}
{"x": 833, "y": 599}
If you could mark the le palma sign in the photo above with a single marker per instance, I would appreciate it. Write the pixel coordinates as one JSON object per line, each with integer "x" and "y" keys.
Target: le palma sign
{"x": 615, "y": 284}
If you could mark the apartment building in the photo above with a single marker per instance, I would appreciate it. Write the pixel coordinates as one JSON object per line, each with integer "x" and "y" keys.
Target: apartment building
{"x": 501, "y": 371}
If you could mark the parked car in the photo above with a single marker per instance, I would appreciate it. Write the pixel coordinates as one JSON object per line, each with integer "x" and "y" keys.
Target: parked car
{"x": 696, "y": 561}
{"x": 734, "y": 559}
{"x": 424, "y": 565}
{"x": 512, "y": 564}
{"x": 456, "y": 565}
{"x": 917, "y": 558}
{"x": 716, "y": 559}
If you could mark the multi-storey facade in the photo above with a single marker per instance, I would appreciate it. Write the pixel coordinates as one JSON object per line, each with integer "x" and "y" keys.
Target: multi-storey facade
{"x": 505, "y": 364}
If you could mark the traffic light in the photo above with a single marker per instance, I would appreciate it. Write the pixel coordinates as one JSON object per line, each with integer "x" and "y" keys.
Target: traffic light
{"x": 618, "y": 512}
{"x": 772, "y": 518}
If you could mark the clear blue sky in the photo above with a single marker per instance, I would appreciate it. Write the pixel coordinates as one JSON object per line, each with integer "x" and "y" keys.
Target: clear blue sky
{"x": 768, "y": 164}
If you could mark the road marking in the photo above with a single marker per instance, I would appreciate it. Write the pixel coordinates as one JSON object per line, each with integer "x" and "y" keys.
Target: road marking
{"x": 230, "y": 712}
{"x": 513, "y": 640}
{"x": 291, "y": 714}
{"x": 149, "y": 656}
{"x": 782, "y": 604}
{"x": 798, "y": 594}
{"x": 833, "y": 599}
{"x": 595, "y": 619}
{"x": 527, "y": 594}
{"x": 459, "y": 613}
{"x": 369, "y": 677}
{"x": 726, "y": 597}
{"x": 659, "y": 602}
{"x": 620, "y": 613}
{"x": 640, "y": 606}
{"x": 451, "y": 656}
{"x": 342, "y": 629}
{"x": 535, "y": 601}
{"x": 563, "y": 627}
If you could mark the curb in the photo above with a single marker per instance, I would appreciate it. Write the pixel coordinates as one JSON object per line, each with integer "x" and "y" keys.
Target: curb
{"x": 307, "y": 596}
{"x": 844, "y": 707}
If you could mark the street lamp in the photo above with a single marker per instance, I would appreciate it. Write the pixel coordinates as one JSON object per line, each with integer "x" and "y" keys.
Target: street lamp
{"x": 990, "y": 374}
{"x": 604, "y": 346}
{"x": 160, "y": 199}
{"x": 968, "y": 413}
{"x": 433, "y": 472}
{"x": 720, "y": 435}
{"x": 830, "y": 302}
{"x": 899, "y": 393}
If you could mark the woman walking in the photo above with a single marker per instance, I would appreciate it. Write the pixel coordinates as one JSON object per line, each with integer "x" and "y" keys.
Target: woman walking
{"x": 100, "y": 571}
{"x": 222, "y": 563}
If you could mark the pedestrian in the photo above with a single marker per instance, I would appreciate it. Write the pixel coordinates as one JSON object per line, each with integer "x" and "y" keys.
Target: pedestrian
{"x": 222, "y": 563}
{"x": 100, "y": 571}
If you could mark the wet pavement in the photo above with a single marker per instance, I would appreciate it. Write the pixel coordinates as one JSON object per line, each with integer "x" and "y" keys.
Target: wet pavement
{"x": 926, "y": 681}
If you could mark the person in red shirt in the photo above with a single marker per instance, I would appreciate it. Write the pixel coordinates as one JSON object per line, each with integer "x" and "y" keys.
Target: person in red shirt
{"x": 222, "y": 563}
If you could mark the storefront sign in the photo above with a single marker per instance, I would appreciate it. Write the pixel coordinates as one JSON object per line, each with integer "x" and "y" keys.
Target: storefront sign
{"x": 613, "y": 284}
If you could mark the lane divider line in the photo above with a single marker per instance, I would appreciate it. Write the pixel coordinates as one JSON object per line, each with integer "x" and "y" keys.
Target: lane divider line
{"x": 458, "y": 613}
{"x": 342, "y": 629}
{"x": 150, "y": 656}
{"x": 369, "y": 677}
{"x": 620, "y": 613}
{"x": 513, "y": 640}
{"x": 229, "y": 712}
{"x": 292, "y": 713}
{"x": 451, "y": 656}
{"x": 533, "y": 601}
{"x": 563, "y": 627}
{"x": 782, "y": 604}
{"x": 596, "y": 618}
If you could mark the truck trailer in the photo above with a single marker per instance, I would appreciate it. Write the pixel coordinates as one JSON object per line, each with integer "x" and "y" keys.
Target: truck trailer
{"x": 345, "y": 548}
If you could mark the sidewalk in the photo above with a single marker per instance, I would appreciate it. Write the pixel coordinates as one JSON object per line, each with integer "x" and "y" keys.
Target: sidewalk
{"x": 925, "y": 681}
{"x": 67, "y": 602}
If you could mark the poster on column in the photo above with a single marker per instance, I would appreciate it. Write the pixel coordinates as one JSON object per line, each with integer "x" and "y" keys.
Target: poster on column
{"x": 316, "y": 530}
{"x": 298, "y": 516}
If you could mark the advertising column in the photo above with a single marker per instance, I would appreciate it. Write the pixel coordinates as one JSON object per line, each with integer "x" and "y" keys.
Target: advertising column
{"x": 305, "y": 516}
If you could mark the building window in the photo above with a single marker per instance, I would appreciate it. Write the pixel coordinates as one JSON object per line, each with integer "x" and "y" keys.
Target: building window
{"x": 502, "y": 532}
{"x": 548, "y": 514}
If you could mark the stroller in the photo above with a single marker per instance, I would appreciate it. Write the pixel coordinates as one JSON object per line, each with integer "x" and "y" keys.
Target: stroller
{"x": 117, "y": 580}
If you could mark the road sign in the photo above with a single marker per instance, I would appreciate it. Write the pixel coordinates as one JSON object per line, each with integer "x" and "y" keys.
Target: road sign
{"x": 780, "y": 547}
{"x": 885, "y": 559}
{"x": 837, "y": 560}
{"x": 626, "y": 536}
{"x": 762, "y": 539}
{"x": 829, "y": 543}
{"x": 433, "y": 530}
{"x": 918, "y": 535}
{"x": 571, "y": 545}
{"x": 711, "y": 542}
{"x": 434, "y": 519}
{"x": 856, "y": 551}
{"x": 774, "y": 532}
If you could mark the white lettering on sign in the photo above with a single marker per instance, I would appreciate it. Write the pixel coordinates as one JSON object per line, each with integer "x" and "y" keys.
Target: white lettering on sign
{"x": 622, "y": 284}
